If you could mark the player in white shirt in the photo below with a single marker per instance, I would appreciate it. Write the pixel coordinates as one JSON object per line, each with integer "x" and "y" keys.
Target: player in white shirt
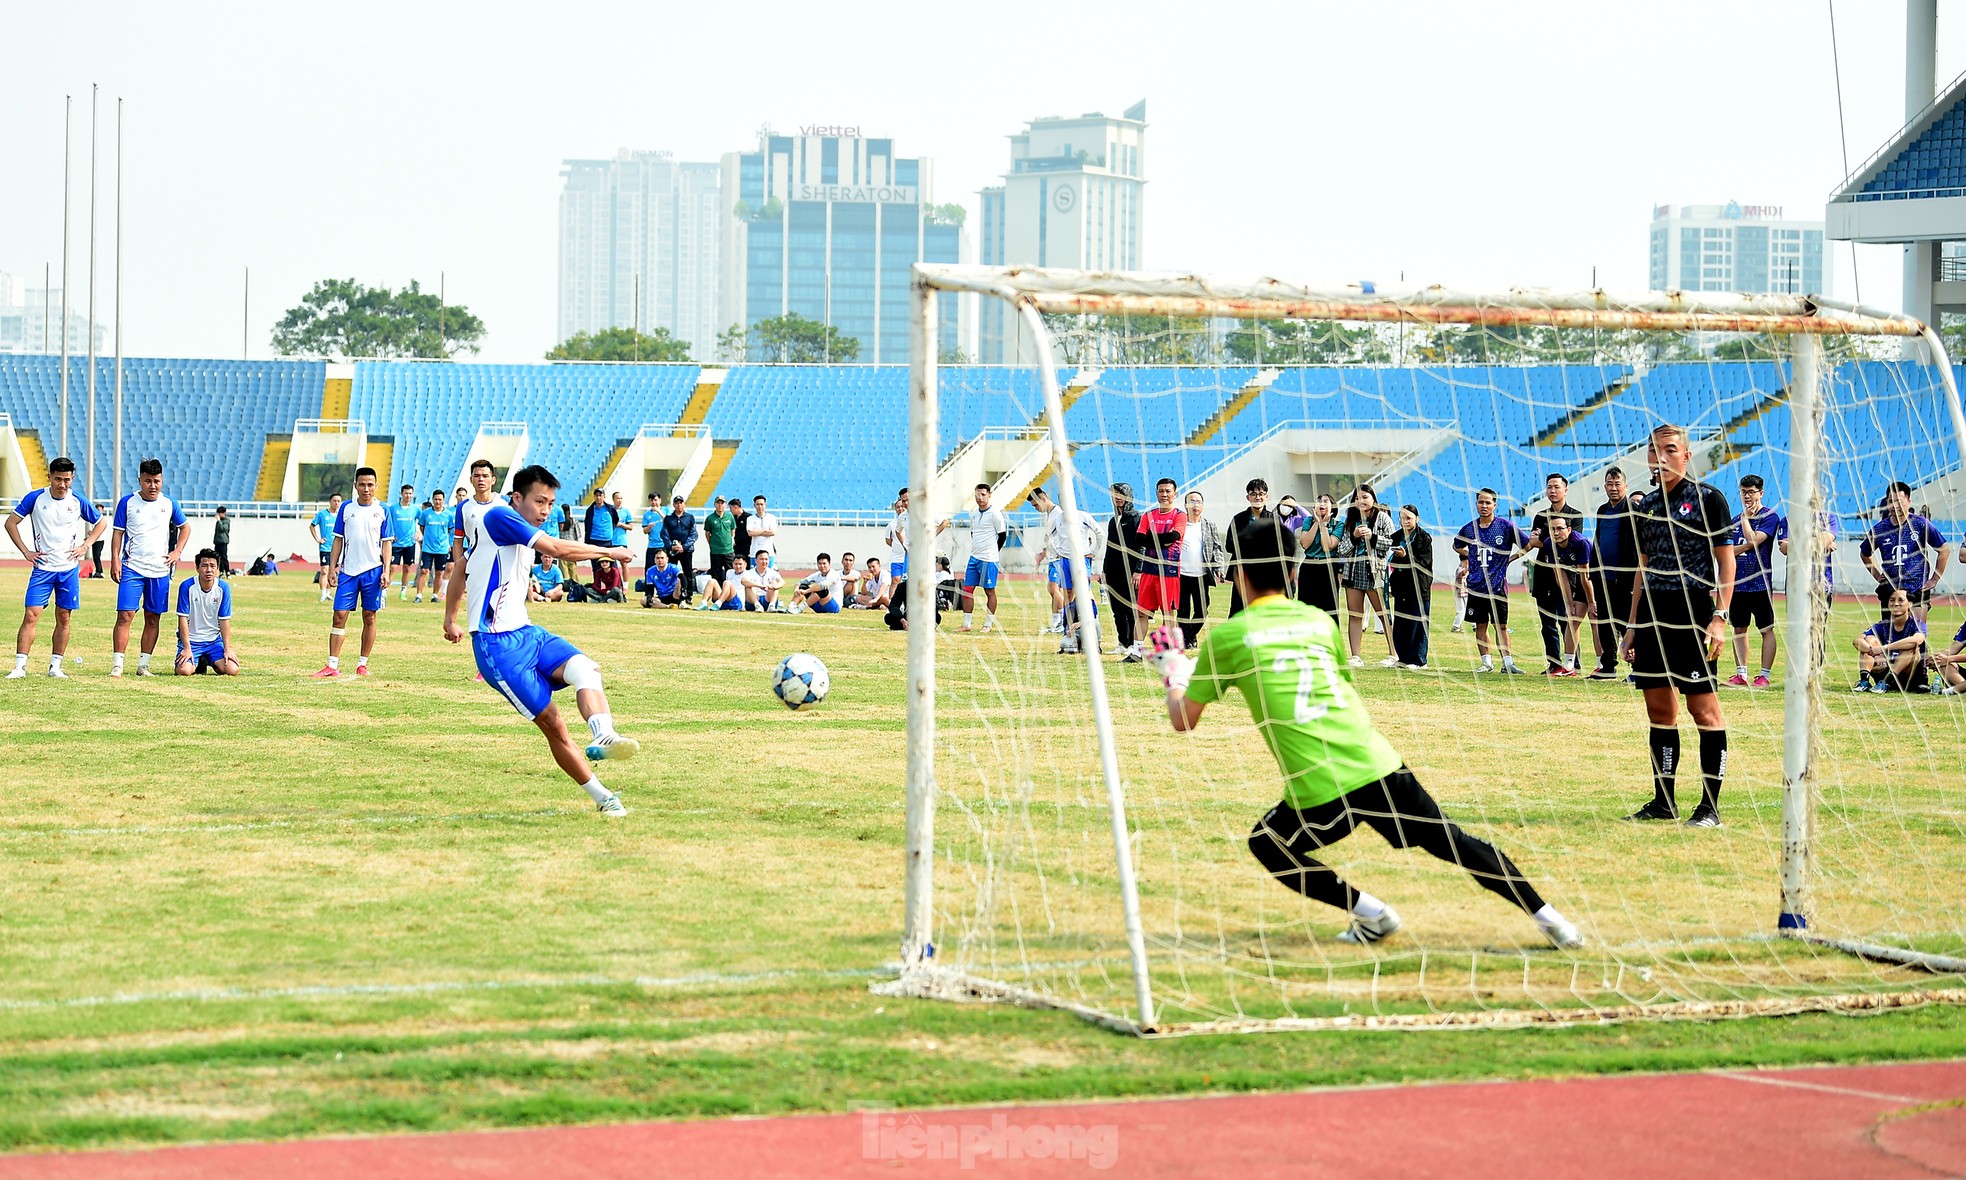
{"x": 204, "y": 621}
{"x": 763, "y": 531}
{"x": 59, "y": 534}
{"x": 1059, "y": 566}
{"x": 763, "y": 584}
{"x": 821, "y": 591}
{"x": 897, "y": 538}
{"x": 524, "y": 662}
{"x": 358, "y": 570}
{"x": 147, "y": 536}
{"x": 987, "y": 530}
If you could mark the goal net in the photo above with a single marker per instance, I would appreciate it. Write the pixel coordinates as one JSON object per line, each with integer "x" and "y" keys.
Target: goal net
{"x": 1066, "y": 848}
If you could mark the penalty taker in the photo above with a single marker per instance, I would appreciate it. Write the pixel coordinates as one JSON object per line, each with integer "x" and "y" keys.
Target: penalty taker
{"x": 1339, "y": 771}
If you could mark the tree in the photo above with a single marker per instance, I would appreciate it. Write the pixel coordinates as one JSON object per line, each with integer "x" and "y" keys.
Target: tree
{"x": 341, "y": 318}
{"x": 734, "y": 345}
{"x": 793, "y": 339}
{"x": 621, "y": 344}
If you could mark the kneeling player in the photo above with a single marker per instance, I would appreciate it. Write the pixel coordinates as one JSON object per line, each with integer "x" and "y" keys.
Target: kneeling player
{"x": 1338, "y": 770}
{"x": 204, "y": 621}
{"x": 1891, "y": 652}
{"x": 525, "y": 663}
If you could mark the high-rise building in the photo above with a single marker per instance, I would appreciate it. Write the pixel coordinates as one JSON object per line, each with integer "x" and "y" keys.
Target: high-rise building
{"x": 825, "y": 224}
{"x": 1736, "y": 247}
{"x": 1072, "y": 198}
{"x": 638, "y": 247}
{"x": 30, "y": 320}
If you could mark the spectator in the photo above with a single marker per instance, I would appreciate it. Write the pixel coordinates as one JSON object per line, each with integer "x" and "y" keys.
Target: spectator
{"x": 603, "y": 528}
{"x": 651, "y": 530}
{"x": 1570, "y": 570}
{"x": 876, "y": 587}
{"x": 1460, "y": 597}
{"x": 1755, "y": 530}
{"x": 1059, "y": 538}
{"x": 741, "y": 536}
{"x": 606, "y": 587}
{"x": 720, "y": 528}
{"x": 764, "y": 530}
{"x": 1485, "y": 546}
{"x": 1903, "y": 537}
{"x": 1614, "y": 574}
{"x": 1121, "y": 568}
{"x": 664, "y": 585}
{"x": 1552, "y": 609}
{"x": 726, "y": 593}
{"x": 1160, "y": 572}
{"x": 849, "y": 576}
{"x": 897, "y": 607}
{"x": 761, "y": 585}
{"x": 1200, "y": 566}
{"x": 819, "y": 592}
{"x": 1257, "y": 493}
{"x": 95, "y": 547}
{"x": 547, "y": 582}
{"x": 322, "y": 528}
{"x": 1364, "y": 542}
{"x": 679, "y": 540}
{"x": 947, "y": 589}
{"x": 623, "y": 521}
{"x": 987, "y": 533}
{"x": 1318, "y": 540}
{"x": 222, "y": 541}
{"x": 1948, "y": 664}
{"x": 1411, "y": 564}
{"x": 1891, "y": 652}
{"x": 897, "y": 536}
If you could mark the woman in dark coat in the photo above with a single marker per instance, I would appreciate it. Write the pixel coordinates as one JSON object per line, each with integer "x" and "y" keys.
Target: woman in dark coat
{"x": 1122, "y": 562}
{"x": 1412, "y": 568}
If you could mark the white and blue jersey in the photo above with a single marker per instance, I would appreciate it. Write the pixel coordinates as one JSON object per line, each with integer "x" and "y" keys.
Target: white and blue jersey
{"x": 148, "y": 528}
{"x": 202, "y": 609}
{"x": 365, "y": 534}
{"x": 57, "y": 527}
{"x": 514, "y": 656}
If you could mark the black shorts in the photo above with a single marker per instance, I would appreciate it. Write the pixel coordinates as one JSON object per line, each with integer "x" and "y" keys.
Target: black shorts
{"x": 1919, "y": 595}
{"x": 436, "y": 562}
{"x": 325, "y": 555}
{"x": 1670, "y": 641}
{"x": 1752, "y": 606}
{"x": 1488, "y": 608}
{"x": 403, "y": 555}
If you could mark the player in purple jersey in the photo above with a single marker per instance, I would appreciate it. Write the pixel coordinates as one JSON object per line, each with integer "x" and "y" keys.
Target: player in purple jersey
{"x": 1486, "y": 545}
{"x": 1900, "y": 538}
{"x": 1568, "y": 567}
{"x": 1755, "y": 533}
{"x": 1891, "y": 652}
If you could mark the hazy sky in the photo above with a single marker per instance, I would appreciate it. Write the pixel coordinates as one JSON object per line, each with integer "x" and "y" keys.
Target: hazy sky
{"x": 1472, "y": 144}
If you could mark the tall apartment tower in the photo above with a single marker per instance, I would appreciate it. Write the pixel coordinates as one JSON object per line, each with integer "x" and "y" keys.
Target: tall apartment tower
{"x": 638, "y": 247}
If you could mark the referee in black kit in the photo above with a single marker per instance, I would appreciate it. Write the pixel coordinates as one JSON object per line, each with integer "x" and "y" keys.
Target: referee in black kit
{"x": 1679, "y": 620}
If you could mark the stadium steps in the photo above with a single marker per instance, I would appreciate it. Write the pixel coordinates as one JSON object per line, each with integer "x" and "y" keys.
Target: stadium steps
{"x": 336, "y": 394}
{"x": 697, "y": 410}
{"x": 273, "y": 467}
{"x": 1730, "y": 449}
{"x": 722, "y": 451}
{"x": 608, "y": 465}
{"x": 1081, "y": 381}
{"x": 380, "y": 453}
{"x": 1244, "y": 398}
{"x": 33, "y": 454}
{"x": 1577, "y": 413}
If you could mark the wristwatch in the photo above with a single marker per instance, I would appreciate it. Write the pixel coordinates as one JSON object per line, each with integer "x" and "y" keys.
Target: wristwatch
{"x": 1721, "y": 615}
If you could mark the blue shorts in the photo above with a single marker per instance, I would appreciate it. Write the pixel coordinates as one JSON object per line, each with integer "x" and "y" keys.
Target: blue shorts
{"x": 367, "y": 586}
{"x": 828, "y": 605}
{"x": 1060, "y": 571}
{"x": 153, "y": 595}
{"x": 203, "y": 655}
{"x": 520, "y": 665}
{"x": 733, "y": 604}
{"x": 980, "y": 573}
{"x": 897, "y": 570}
{"x": 64, "y": 586}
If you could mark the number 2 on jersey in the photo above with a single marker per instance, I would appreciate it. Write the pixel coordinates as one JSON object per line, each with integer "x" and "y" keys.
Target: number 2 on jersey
{"x": 1309, "y": 668}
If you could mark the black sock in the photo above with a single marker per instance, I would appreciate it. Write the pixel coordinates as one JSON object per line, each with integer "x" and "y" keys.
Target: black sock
{"x": 1665, "y": 764}
{"x": 1713, "y": 764}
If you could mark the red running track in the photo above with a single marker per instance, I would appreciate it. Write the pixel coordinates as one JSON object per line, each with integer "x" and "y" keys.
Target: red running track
{"x": 1862, "y": 1121}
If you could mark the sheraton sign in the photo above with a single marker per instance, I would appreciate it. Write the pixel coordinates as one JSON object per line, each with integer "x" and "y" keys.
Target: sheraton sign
{"x": 883, "y": 194}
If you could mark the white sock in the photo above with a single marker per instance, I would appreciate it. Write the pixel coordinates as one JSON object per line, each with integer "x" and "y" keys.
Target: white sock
{"x": 54, "y": 663}
{"x": 601, "y": 724}
{"x": 596, "y": 791}
{"x": 1766, "y": 673}
{"x": 967, "y": 618}
{"x": 1508, "y": 661}
{"x": 989, "y": 621}
{"x": 1547, "y": 915}
{"x": 20, "y": 659}
{"x": 1368, "y": 907}
{"x": 361, "y": 661}
{"x": 143, "y": 660}
{"x": 116, "y": 662}
{"x": 1741, "y": 670}
{"x": 334, "y": 662}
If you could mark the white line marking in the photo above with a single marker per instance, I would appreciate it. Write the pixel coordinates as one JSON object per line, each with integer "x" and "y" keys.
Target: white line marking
{"x": 1793, "y": 1084}
{"x": 264, "y": 825}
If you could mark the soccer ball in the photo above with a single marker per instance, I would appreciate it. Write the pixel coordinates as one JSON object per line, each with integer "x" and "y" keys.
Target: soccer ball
{"x": 800, "y": 680}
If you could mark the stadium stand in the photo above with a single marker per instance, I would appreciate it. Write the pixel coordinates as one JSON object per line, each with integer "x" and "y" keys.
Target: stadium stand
{"x": 1933, "y": 165}
{"x": 207, "y": 417}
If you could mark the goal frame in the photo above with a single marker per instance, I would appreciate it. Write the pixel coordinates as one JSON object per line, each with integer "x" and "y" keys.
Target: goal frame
{"x": 1033, "y": 292}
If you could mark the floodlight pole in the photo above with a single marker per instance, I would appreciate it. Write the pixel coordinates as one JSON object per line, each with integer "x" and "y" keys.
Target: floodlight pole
{"x": 67, "y": 139}
{"x": 92, "y": 292}
{"x": 116, "y": 449}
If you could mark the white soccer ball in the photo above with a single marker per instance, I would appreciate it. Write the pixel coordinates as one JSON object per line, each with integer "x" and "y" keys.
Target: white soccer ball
{"x": 800, "y": 680}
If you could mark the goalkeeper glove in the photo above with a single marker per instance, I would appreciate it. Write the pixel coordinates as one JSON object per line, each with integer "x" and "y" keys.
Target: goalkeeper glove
{"x": 1168, "y": 659}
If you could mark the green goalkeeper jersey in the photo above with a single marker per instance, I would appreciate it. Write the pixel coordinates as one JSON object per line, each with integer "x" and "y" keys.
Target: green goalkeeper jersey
{"x": 1288, "y": 661}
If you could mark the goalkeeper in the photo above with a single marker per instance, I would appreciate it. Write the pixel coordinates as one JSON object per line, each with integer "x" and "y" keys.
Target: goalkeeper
{"x": 1338, "y": 771}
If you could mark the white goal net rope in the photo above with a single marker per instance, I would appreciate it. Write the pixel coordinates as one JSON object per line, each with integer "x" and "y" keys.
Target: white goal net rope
{"x": 1021, "y": 889}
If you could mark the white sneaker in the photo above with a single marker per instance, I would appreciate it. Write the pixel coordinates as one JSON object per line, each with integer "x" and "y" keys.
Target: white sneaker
{"x": 1948, "y": 691}
{"x": 1456, "y": 628}
{"x": 612, "y": 747}
{"x": 1366, "y": 931}
{"x": 1070, "y": 647}
{"x": 1389, "y": 662}
{"x": 1357, "y": 661}
{"x": 611, "y": 807}
{"x": 964, "y": 628}
{"x": 1378, "y": 628}
{"x": 1485, "y": 667}
{"x": 142, "y": 671}
{"x": 17, "y": 674}
{"x": 1563, "y": 934}
{"x": 54, "y": 672}
{"x": 986, "y": 628}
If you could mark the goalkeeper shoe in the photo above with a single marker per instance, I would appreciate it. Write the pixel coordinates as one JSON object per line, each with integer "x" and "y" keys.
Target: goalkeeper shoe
{"x": 1562, "y": 933}
{"x": 611, "y": 807}
{"x": 612, "y": 747}
{"x": 1658, "y": 809}
{"x": 1706, "y": 815}
{"x": 17, "y": 674}
{"x": 1366, "y": 931}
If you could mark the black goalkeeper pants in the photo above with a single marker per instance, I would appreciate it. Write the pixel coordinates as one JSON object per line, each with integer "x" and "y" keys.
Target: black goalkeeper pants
{"x": 1401, "y": 810}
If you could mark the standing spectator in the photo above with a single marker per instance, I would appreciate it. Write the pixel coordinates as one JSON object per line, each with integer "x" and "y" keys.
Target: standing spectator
{"x": 1160, "y": 570}
{"x": 720, "y": 529}
{"x": 1460, "y": 597}
{"x": 435, "y": 526}
{"x": 1200, "y": 567}
{"x": 603, "y": 528}
{"x": 402, "y": 549}
{"x": 1485, "y": 546}
{"x": 1257, "y": 493}
{"x": 1363, "y": 545}
{"x": 1891, "y": 652}
{"x": 987, "y": 532}
{"x": 1318, "y": 540}
{"x": 1411, "y": 564}
{"x": 1678, "y": 621}
{"x": 1570, "y": 568}
{"x": 1120, "y": 569}
{"x": 651, "y": 530}
{"x": 222, "y": 541}
{"x": 741, "y": 535}
{"x": 1552, "y": 609}
{"x": 322, "y": 527}
{"x": 1827, "y": 526}
{"x": 764, "y": 531}
{"x": 1755, "y": 530}
{"x": 1902, "y": 537}
{"x": 1613, "y": 572}
{"x": 897, "y": 536}
{"x": 623, "y": 521}
{"x": 95, "y": 546}
{"x": 679, "y": 541}
{"x": 1057, "y": 548}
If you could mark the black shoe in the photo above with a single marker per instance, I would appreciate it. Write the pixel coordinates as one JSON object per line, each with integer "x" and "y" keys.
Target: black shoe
{"x": 1706, "y": 815}
{"x": 1603, "y": 674}
{"x": 1658, "y": 809}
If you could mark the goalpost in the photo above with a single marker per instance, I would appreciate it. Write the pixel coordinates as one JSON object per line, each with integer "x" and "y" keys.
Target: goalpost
{"x": 1152, "y": 917}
